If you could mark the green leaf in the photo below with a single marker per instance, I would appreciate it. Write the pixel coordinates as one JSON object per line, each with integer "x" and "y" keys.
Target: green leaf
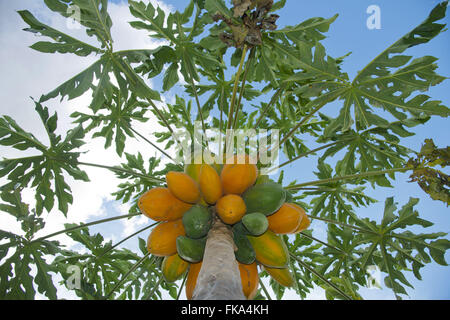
{"x": 62, "y": 42}
{"x": 93, "y": 15}
{"x": 41, "y": 170}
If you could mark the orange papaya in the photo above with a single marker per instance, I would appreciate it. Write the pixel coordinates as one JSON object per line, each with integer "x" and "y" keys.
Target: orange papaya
{"x": 270, "y": 249}
{"x": 281, "y": 275}
{"x": 173, "y": 267}
{"x": 230, "y": 208}
{"x": 160, "y": 204}
{"x": 238, "y": 174}
{"x": 286, "y": 220}
{"x": 210, "y": 185}
{"x": 191, "y": 281}
{"x": 162, "y": 240}
{"x": 183, "y": 186}
{"x": 249, "y": 279}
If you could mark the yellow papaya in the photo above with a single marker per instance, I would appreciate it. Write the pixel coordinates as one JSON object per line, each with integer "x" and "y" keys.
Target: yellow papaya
{"x": 249, "y": 279}
{"x": 183, "y": 186}
{"x": 231, "y": 208}
{"x": 162, "y": 240}
{"x": 281, "y": 275}
{"x": 173, "y": 267}
{"x": 160, "y": 204}
{"x": 270, "y": 249}
{"x": 238, "y": 174}
{"x": 286, "y": 220}
{"x": 191, "y": 281}
{"x": 210, "y": 185}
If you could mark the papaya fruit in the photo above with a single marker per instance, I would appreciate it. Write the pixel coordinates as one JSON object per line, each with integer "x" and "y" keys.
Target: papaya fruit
{"x": 265, "y": 198}
{"x": 160, "y": 204}
{"x": 173, "y": 267}
{"x": 238, "y": 174}
{"x": 270, "y": 250}
{"x": 286, "y": 220}
{"x": 305, "y": 223}
{"x": 231, "y": 208}
{"x": 281, "y": 275}
{"x": 162, "y": 240}
{"x": 249, "y": 279}
{"x": 244, "y": 253}
{"x": 256, "y": 223}
{"x": 210, "y": 184}
{"x": 183, "y": 186}
{"x": 191, "y": 250}
{"x": 191, "y": 281}
{"x": 197, "y": 221}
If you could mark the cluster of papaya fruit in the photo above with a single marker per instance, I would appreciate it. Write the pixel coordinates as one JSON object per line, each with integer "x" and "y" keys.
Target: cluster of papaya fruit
{"x": 257, "y": 209}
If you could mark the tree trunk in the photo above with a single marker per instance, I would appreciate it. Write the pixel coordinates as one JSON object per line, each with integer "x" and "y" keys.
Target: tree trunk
{"x": 219, "y": 277}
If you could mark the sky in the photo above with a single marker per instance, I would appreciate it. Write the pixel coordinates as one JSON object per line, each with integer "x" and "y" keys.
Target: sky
{"x": 27, "y": 73}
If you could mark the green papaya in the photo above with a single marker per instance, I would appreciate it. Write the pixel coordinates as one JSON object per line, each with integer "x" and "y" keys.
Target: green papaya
{"x": 265, "y": 198}
{"x": 256, "y": 223}
{"x": 244, "y": 253}
{"x": 197, "y": 221}
{"x": 191, "y": 250}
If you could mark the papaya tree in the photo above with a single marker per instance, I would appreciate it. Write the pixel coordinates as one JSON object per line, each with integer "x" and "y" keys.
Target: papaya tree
{"x": 219, "y": 227}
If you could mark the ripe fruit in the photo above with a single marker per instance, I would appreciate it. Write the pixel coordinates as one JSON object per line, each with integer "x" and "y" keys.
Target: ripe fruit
{"x": 183, "y": 186}
{"x": 256, "y": 223}
{"x": 265, "y": 198}
{"x": 286, "y": 220}
{"x": 270, "y": 250}
{"x": 249, "y": 279}
{"x": 160, "y": 204}
{"x": 281, "y": 275}
{"x": 191, "y": 281}
{"x": 238, "y": 176}
{"x": 210, "y": 185}
{"x": 197, "y": 222}
{"x": 162, "y": 241}
{"x": 231, "y": 208}
{"x": 173, "y": 267}
{"x": 191, "y": 250}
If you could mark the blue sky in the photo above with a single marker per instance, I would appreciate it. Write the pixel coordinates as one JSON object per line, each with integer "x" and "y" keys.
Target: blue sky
{"x": 347, "y": 34}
